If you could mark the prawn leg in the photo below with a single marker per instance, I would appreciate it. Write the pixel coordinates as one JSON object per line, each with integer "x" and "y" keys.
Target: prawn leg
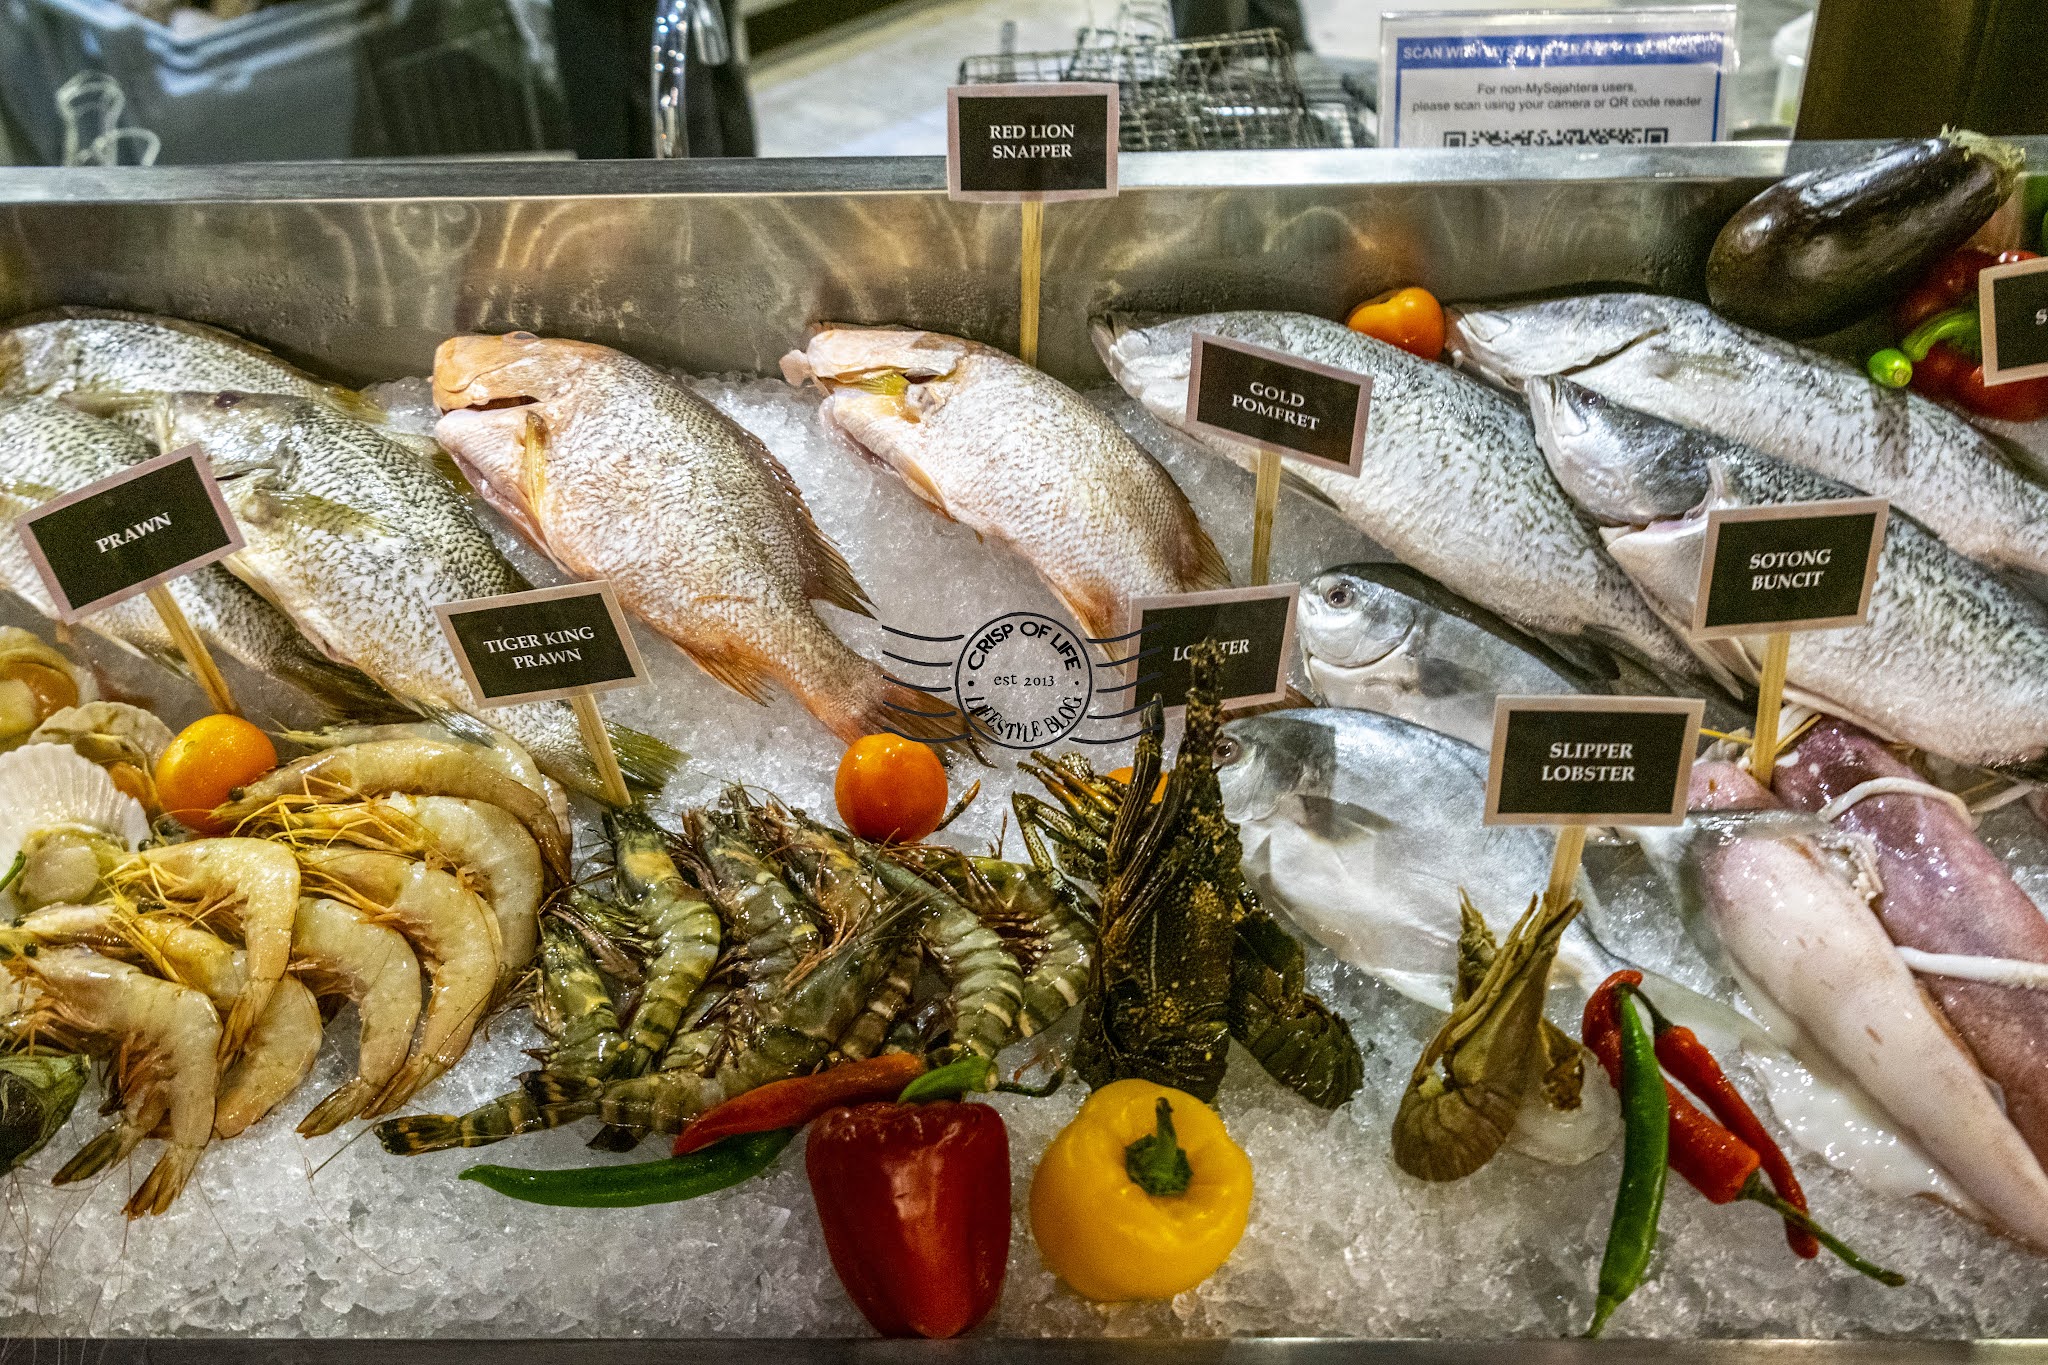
{"x": 340, "y": 952}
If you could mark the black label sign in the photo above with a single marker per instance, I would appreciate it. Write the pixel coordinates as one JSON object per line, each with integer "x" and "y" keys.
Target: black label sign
{"x": 1254, "y": 626}
{"x": 541, "y": 645}
{"x": 1802, "y": 566}
{"x": 1279, "y": 402}
{"x": 1591, "y": 760}
{"x": 129, "y": 532}
{"x": 1007, "y": 143}
{"x": 2012, "y": 307}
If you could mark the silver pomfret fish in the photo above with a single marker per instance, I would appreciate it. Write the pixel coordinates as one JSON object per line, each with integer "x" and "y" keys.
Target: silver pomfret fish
{"x": 357, "y": 540}
{"x": 1012, "y": 453}
{"x": 1453, "y": 484}
{"x": 1681, "y": 361}
{"x": 1382, "y": 637}
{"x": 1953, "y": 660}
{"x": 631, "y": 477}
{"x": 47, "y": 449}
{"x": 92, "y": 356}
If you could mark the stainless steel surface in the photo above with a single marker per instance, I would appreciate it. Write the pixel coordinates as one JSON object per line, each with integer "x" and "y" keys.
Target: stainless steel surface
{"x": 360, "y": 269}
{"x": 977, "y": 1351}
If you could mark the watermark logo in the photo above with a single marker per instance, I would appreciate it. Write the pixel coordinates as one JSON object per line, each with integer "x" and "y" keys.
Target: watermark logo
{"x": 1024, "y": 680}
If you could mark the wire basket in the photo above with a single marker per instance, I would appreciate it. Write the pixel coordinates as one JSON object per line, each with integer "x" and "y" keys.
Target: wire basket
{"x": 1239, "y": 90}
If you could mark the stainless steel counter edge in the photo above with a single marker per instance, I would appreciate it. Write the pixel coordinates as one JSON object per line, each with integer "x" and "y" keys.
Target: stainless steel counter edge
{"x": 1266, "y": 1351}
{"x": 483, "y": 179}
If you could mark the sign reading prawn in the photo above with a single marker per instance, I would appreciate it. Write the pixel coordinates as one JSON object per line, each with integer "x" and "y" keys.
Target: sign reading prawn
{"x": 131, "y": 534}
{"x": 551, "y": 643}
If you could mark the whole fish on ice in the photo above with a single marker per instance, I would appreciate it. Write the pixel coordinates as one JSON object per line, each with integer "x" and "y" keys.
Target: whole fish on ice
{"x": 102, "y": 356}
{"x": 47, "y": 449}
{"x": 1453, "y": 483}
{"x": 619, "y": 472}
{"x": 1680, "y": 360}
{"x": 1382, "y": 637}
{"x": 1953, "y": 660}
{"x": 354, "y": 538}
{"x": 1804, "y": 940}
{"x": 1010, "y": 452}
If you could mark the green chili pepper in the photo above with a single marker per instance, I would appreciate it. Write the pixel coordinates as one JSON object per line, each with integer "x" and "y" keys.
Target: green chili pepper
{"x": 1646, "y": 1143}
{"x": 1958, "y": 327}
{"x": 1890, "y": 367}
{"x": 667, "y": 1181}
{"x": 14, "y": 870}
{"x": 951, "y": 1081}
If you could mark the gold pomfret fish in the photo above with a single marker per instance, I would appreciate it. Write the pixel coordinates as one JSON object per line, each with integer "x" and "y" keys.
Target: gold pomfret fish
{"x": 1011, "y": 452}
{"x": 619, "y": 472}
{"x": 48, "y": 449}
{"x": 101, "y": 359}
{"x": 355, "y": 538}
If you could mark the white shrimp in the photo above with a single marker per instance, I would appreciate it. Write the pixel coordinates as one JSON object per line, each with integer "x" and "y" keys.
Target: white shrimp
{"x": 163, "y": 1040}
{"x": 283, "y": 1044}
{"x": 451, "y": 929}
{"x": 248, "y": 885}
{"x": 340, "y": 951}
{"x": 420, "y": 766}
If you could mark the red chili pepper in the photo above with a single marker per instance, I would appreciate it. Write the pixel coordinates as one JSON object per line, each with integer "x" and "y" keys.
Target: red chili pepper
{"x": 915, "y": 1202}
{"x": 1710, "y": 1158}
{"x": 1686, "y": 1057}
{"x": 796, "y": 1101}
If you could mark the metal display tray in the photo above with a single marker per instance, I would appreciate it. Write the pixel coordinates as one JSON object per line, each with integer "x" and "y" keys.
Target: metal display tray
{"x": 360, "y": 269}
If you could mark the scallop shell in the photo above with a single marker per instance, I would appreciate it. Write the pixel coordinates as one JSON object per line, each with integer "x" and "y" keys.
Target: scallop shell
{"x": 49, "y": 784}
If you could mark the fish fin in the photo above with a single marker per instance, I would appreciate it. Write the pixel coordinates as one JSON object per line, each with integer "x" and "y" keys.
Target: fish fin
{"x": 912, "y": 473}
{"x": 2026, "y": 770}
{"x": 1202, "y": 563}
{"x": 1338, "y": 821}
{"x": 827, "y": 576}
{"x": 744, "y": 675}
{"x": 646, "y": 761}
{"x": 919, "y": 715}
{"x": 1293, "y": 479}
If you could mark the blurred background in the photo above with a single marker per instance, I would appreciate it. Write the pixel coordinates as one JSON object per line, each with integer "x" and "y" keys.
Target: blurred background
{"x": 110, "y": 82}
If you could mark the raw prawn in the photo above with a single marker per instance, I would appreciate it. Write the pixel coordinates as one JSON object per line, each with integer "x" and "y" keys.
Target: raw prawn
{"x": 163, "y": 1040}
{"x": 449, "y": 927}
{"x": 682, "y": 925}
{"x": 419, "y": 766}
{"x": 342, "y": 952}
{"x": 252, "y": 885}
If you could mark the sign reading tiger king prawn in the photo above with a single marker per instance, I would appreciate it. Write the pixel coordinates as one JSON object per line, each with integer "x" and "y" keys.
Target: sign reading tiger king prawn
{"x": 543, "y": 645}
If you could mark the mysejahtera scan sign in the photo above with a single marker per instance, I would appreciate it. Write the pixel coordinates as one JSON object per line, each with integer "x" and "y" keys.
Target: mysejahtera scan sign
{"x": 543, "y": 645}
{"x": 1591, "y": 760}
{"x": 1798, "y": 566}
{"x": 1045, "y": 142}
{"x": 129, "y": 532}
{"x": 1279, "y": 402}
{"x": 1254, "y": 627}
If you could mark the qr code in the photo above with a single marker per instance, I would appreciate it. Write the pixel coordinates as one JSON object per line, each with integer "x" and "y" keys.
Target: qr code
{"x": 1553, "y": 137}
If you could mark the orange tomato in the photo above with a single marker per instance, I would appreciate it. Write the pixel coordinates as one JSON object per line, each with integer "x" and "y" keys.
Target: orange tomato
{"x": 1409, "y": 318}
{"x": 1124, "y": 775}
{"x": 209, "y": 759}
{"x": 890, "y": 789}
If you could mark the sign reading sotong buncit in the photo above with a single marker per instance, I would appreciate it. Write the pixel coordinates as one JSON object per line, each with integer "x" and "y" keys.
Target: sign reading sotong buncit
{"x": 543, "y": 645}
{"x": 1591, "y": 760}
{"x": 1279, "y": 402}
{"x": 1253, "y": 626}
{"x": 2012, "y": 303}
{"x": 129, "y": 532}
{"x": 1798, "y": 566}
{"x": 1049, "y": 142}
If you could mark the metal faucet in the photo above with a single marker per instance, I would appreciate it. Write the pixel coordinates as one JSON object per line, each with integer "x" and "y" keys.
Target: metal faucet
{"x": 676, "y": 27}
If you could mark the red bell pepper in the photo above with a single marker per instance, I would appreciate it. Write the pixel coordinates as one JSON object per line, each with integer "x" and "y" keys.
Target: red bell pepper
{"x": 915, "y": 1202}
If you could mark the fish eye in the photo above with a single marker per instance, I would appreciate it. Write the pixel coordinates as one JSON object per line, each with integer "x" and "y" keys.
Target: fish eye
{"x": 1228, "y": 751}
{"x": 1340, "y": 595}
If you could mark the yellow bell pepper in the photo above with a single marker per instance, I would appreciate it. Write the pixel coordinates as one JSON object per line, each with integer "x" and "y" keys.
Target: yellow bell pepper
{"x": 1142, "y": 1196}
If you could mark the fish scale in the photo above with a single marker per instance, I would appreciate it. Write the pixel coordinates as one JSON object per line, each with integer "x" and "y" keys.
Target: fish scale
{"x": 631, "y": 477}
{"x": 1679, "y": 360}
{"x": 358, "y": 541}
{"x": 48, "y": 448}
{"x": 1453, "y": 483}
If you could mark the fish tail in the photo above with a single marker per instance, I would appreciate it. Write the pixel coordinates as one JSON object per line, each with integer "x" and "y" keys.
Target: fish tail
{"x": 646, "y": 761}
{"x": 1201, "y": 562}
{"x": 879, "y": 704}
